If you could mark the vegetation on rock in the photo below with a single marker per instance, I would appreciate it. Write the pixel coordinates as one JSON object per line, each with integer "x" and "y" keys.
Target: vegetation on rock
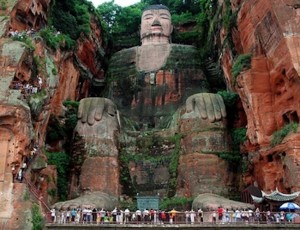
{"x": 71, "y": 17}
{"x": 37, "y": 218}
{"x": 23, "y": 37}
{"x": 154, "y": 151}
{"x": 234, "y": 157}
{"x": 36, "y": 102}
{"x": 62, "y": 161}
{"x": 178, "y": 203}
{"x": 242, "y": 63}
{"x": 279, "y": 135}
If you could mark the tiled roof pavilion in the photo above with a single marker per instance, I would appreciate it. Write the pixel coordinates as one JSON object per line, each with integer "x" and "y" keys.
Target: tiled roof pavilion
{"x": 275, "y": 196}
{"x": 267, "y": 201}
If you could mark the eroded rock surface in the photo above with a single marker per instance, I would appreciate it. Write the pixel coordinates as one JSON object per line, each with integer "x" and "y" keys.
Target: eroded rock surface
{"x": 269, "y": 91}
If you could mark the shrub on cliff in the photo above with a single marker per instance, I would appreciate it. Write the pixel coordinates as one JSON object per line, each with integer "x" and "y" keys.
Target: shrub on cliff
{"x": 55, "y": 40}
{"x": 37, "y": 219}
{"x": 23, "y": 37}
{"x": 62, "y": 162}
{"x": 71, "y": 17}
{"x": 279, "y": 135}
{"x": 243, "y": 62}
{"x": 178, "y": 203}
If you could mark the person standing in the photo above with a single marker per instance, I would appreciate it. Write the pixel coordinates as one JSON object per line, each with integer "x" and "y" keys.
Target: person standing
{"x": 53, "y": 215}
{"x": 192, "y": 216}
{"x": 127, "y": 213}
{"x": 73, "y": 215}
{"x": 220, "y": 214}
{"x": 173, "y": 216}
{"x": 200, "y": 215}
{"x": 214, "y": 217}
{"x": 138, "y": 215}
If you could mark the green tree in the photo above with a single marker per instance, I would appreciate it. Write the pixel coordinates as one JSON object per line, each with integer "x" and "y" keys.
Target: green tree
{"x": 108, "y": 12}
{"x": 71, "y": 17}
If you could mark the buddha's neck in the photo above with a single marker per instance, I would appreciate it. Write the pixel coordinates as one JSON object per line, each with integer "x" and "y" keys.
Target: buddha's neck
{"x": 157, "y": 39}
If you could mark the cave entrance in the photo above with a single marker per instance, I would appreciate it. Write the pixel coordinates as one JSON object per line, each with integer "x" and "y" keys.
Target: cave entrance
{"x": 290, "y": 116}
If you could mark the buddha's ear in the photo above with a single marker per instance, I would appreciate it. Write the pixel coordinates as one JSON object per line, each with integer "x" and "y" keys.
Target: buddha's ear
{"x": 171, "y": 29}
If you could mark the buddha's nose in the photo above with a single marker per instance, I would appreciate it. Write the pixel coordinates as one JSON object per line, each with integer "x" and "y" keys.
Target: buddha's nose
{"x": 156, "y": 22}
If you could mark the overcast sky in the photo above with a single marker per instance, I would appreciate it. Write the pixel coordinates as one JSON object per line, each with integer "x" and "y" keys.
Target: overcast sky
{"x": 118, "y": 2}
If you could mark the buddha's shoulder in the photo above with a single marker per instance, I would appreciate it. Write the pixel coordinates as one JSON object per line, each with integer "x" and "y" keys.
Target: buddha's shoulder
{"x": 127, "y": 51}
{"x": 124, "y": 57}
{"x": 183, "y": 57}
{"x": 179, "y": 48}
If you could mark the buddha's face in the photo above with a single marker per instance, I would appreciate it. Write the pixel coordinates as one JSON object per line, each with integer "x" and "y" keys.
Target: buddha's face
{"x": 156, "y": 23}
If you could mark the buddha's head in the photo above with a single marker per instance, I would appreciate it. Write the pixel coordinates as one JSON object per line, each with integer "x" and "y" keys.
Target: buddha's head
{"x": 156, "y": 26}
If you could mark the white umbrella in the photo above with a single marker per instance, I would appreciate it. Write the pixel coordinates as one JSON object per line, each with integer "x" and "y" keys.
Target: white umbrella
{"x": 290, "y": 206}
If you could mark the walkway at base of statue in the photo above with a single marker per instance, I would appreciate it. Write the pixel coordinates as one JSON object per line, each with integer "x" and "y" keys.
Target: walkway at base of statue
{"x": 147, "y": 202}
{"x": 171, "y": 226}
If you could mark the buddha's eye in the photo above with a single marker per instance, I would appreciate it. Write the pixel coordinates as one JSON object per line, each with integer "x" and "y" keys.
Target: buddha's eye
{"x": 148, "y": 16}
{"x": 164, "y": 16}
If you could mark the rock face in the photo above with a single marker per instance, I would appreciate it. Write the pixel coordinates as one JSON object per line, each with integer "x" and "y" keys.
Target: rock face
{"x": 29, "y": 14}
{"x": 15, "y": 124}
{"x": 269, "y": 30}
{"x": 25, "y": 116}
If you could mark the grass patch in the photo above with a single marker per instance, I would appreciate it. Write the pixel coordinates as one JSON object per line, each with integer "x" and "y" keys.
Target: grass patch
{"x": 279, "y": 135}
{"x": 178, "y": 203}
{"x": 23, "y": 37}
{"x": 243, "y": 62}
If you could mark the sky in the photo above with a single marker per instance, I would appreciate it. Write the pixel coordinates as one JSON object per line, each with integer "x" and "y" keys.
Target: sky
{"x": 122, "y": 3}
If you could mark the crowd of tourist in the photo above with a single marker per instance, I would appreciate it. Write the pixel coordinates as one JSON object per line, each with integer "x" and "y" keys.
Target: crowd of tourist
{"x": 28, "y": 89}
{"x": 118, "y": 216}
{"x": 18, "y": 172}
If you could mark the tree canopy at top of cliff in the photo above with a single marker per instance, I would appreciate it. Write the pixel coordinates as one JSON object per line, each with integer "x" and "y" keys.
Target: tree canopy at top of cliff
{"x": 71, "y": 17}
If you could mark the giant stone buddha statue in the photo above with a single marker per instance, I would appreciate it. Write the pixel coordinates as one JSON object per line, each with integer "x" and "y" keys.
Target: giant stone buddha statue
{"x": 147, "y": 84}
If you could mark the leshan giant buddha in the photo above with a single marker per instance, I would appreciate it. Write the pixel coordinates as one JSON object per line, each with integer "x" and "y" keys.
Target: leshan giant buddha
{"x": 148, "y": 84}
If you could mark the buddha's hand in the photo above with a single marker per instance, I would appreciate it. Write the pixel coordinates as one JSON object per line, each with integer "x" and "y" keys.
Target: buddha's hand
{"x": 207, "y": 105}
{"x": 93, "y": 109}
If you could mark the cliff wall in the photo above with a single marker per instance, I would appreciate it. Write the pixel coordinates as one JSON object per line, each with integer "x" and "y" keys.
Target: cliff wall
{"x": 269, "y": 31}
{"x": 35, "y": 80}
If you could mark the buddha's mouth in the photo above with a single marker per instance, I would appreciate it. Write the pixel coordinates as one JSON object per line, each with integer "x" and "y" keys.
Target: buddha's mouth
{"x": 156, "y": 29}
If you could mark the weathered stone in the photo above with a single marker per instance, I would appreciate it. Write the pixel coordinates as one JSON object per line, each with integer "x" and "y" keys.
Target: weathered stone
{"x": 19, "y": 131}
{"x": 269, "y": 91}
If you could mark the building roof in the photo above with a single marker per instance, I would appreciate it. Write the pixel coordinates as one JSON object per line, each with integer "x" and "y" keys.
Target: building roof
{"x": 275, "y": 196}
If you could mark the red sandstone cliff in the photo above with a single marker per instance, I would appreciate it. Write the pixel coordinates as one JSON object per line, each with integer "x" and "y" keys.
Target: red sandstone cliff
{"x": 25, "y": 116}
{"x": 269, "y": 90}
